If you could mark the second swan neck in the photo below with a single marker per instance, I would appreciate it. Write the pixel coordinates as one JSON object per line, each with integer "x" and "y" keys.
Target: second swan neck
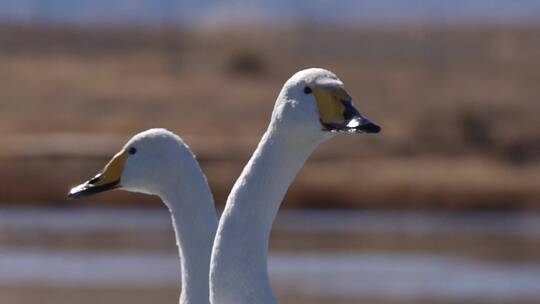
{"x": 194, "y": 221}
{"x": 239, "y": 262}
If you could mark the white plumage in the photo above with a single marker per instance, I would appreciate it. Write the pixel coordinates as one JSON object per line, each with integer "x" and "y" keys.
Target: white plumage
{"x": 157, "y": 162}
{"x": 311, "y": 108}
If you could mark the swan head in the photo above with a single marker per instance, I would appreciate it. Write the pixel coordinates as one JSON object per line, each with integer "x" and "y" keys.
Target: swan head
{"x": 149, "y": 162}
{"x": 314, "y": 102}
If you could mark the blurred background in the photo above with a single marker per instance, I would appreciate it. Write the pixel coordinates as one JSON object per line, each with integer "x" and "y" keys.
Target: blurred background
{"x": 441, "y": 207}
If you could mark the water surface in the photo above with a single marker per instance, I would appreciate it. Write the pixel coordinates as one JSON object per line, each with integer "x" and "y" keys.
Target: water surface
{"x": 387, "y": 257}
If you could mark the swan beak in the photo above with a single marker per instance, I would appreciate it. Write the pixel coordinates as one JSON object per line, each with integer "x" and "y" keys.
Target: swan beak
{"x": 107, "y": 179}
{"x": 338, "y": 114}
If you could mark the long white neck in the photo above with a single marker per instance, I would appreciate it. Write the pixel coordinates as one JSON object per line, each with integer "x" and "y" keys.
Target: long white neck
{"x": 239, "y": 258}
{"x": 195, "y": 222}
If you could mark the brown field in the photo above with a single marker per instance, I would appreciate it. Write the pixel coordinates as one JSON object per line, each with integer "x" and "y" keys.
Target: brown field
{"x": 459, "y": 109}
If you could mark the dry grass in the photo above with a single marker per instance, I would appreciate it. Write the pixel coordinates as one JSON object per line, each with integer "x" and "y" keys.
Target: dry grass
{"x": 459, "y": 109}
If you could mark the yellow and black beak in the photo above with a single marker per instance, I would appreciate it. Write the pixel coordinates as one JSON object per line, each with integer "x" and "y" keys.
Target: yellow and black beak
{"x": 107, "y": 179}
{"x": 337, "y": 113}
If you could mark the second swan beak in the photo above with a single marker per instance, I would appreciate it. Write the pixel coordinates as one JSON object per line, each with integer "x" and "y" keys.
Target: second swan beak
{"x": 107, "y": 179}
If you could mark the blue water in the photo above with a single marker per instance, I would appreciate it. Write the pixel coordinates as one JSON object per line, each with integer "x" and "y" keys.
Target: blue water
{"x": 355, "y": 275}
{"x": 80, "y": 220}
{"x": 316, "y": 11}
{"x": 36, "y": 250}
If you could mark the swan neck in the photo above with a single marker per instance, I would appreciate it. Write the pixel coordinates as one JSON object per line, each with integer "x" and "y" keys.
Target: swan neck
{"x": 194, "y": 221}
{"x": 266, "y": 178}
{"x": 240, "y": 252}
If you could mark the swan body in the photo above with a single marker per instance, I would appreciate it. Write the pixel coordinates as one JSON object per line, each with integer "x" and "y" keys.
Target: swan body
{"x": 158, "y": 162}
{"x": 312, "y": 107}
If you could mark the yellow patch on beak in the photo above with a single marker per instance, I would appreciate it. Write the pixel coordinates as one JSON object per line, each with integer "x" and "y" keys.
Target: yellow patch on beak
{"x": 107, "y": 179}
{"x": 330, "y": 104}
{"x": 113, "y": 170}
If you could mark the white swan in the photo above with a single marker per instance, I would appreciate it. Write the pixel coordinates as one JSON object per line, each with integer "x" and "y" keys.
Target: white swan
{"x": 312, "y": 107}
{"x": 158, "y": 162}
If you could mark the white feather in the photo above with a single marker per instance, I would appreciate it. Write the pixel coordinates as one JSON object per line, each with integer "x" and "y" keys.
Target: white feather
{"x": 239, "y": 273}
{"x": 165, "y": 166}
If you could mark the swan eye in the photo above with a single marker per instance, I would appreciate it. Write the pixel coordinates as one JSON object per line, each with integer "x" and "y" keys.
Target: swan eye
{"x": 132, "y": 150}
{"x": 307, "y": 90}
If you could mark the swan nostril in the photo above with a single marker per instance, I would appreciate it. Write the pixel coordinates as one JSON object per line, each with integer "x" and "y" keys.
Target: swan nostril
{"x": 95, "y": 179}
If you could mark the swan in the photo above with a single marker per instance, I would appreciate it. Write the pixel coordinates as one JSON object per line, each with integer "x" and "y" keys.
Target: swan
{"x": 312, "y": 107}
{"x": 158, "y": 162}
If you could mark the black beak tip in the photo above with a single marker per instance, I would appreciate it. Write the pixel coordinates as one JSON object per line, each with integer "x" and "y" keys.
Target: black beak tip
{"x": 370, "y": 128}
{"x": 72, "y": 195}
{"x": 77, "y": 191}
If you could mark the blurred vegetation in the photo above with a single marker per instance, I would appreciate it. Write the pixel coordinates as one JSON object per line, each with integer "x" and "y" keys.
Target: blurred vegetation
{"x": 458, "y": 106}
